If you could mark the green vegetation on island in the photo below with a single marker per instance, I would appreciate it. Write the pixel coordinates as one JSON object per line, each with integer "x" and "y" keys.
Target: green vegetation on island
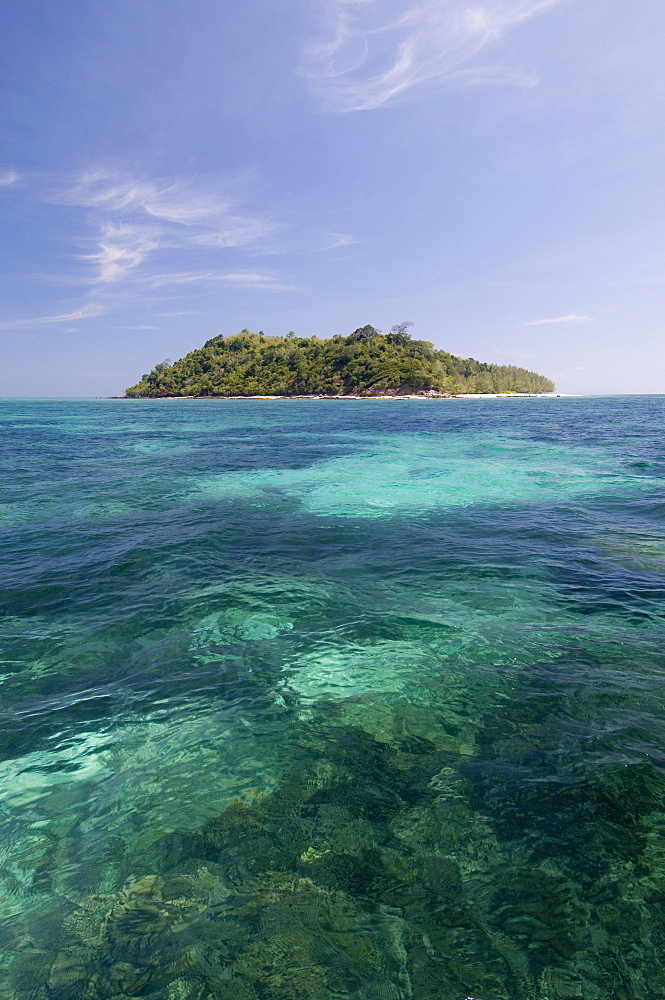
{"x": 367, "y": 363}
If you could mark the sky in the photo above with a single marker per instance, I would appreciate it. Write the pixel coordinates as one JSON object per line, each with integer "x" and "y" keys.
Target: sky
{"x": 490, "y": 171}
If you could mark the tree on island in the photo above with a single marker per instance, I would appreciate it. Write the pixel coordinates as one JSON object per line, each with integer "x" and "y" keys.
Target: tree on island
{"x": 398, "y": 334}
{"x": 365, "y": 363}
{"x": 363, "y": 333}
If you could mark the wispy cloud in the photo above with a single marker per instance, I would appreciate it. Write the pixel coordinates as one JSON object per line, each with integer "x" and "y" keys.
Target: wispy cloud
{"x": 235, "y": 232}
{"x": 335, "y": 241}
{"x": 8, "y": 178}
{"x": 571, "y": 319}
{"x": 379, "y": 49}
{"x": 136, "y": 218}
{"x": 121, "y": 248}
{"x": 242, "y": 279}
{"x": 173, "y": 201}
{"x": 88, "y": 311}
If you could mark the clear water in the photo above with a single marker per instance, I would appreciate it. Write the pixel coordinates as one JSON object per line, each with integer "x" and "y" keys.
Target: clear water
{"x": 320, "y": 700}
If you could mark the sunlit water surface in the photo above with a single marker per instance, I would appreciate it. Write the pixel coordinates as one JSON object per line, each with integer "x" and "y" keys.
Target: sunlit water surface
{"x": 320, "y": 700}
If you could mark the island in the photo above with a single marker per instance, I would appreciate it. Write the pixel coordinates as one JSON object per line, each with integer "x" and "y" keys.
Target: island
{"x": 365, "y": 364}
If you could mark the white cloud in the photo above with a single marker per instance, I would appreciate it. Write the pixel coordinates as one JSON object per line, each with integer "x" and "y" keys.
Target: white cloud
{"x": 338, "y": 240}
{"x": 135, "y": 218}
{"x": 252, "y": 280}
{"x": 235, "y": 232}
{"x": 121, "y": 248}
{"x": 242, "y": 279}
{"x": 9, "y": 177}
{"x": 88, "y": 311}
{"x": 572, "y": 318}
{"x": 172, "y": 201}
{"x": 182, "y": 278}
{"x": 379, "y": 49}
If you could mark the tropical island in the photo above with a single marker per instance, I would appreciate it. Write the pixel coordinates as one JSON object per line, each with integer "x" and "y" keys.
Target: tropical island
{"x": 366, "y": 363}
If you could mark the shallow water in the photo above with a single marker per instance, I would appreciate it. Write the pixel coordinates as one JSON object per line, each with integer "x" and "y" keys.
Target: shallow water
{"x": 326, "y": 699}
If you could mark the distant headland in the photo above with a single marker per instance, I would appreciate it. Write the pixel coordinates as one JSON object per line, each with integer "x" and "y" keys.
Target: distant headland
{"x": 365, "y": 364}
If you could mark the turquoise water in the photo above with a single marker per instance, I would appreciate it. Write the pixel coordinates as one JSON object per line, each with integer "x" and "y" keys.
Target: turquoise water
{"x": 333, "y": 700}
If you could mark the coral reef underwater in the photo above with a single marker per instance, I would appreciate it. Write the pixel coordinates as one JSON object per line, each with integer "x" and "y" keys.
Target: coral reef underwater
{"x": 384, "y": 864}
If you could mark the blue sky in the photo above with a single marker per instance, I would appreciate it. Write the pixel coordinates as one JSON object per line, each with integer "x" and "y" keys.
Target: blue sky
{"x": 491, "y": 171}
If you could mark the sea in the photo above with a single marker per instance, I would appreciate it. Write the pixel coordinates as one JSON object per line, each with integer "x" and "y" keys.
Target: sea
{"x": 333, "y": 699}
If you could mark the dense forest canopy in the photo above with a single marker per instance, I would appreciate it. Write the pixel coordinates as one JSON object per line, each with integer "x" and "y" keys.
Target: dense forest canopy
{"x": 365, "y": 363}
